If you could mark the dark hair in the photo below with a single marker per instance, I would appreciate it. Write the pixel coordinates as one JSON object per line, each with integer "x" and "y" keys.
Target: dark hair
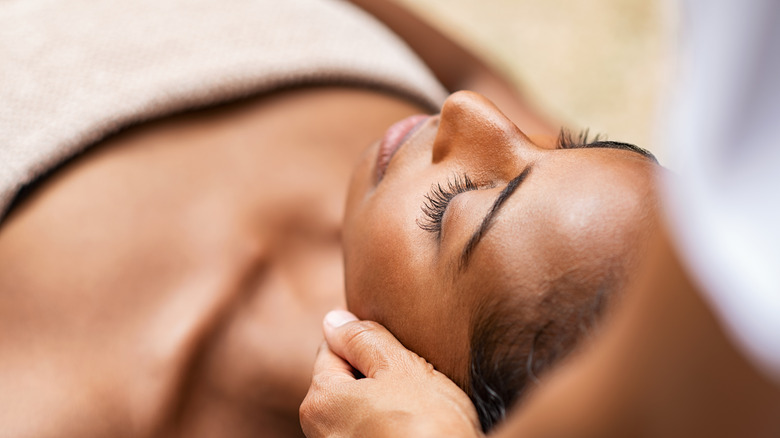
{"x": 512, "y": 345}
{"x": 510, "y": 350}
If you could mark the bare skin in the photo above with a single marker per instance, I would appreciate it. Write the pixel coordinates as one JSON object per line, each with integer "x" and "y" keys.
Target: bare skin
{"x": 173, "y": 280}
{"x": 574, "y": 212}
{"x": 663, "y": 367}
{"x": 459, "y": 69}
{"x": 170, "y": 282}
{"x": 577, "y": 211}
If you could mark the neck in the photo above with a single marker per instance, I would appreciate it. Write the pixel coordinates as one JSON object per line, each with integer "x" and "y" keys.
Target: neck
{"x": 217, "y": 254}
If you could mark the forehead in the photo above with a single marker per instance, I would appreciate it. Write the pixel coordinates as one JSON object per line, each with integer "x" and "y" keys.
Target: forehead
{"x": 578, "y": 184}
{"x": 576, "y": 210}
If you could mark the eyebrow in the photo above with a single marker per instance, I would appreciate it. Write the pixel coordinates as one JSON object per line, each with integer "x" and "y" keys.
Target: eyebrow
{"x": 488, "y": 220}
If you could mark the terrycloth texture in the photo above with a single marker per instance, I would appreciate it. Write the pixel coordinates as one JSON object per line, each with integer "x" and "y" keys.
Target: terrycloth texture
{"x": 74, "y": 71}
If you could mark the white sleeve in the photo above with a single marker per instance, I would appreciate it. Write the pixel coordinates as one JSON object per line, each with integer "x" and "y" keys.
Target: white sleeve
{"x": 723, "y": 133}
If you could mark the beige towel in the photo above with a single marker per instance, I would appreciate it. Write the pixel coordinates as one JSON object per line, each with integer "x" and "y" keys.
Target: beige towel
{"x": 74, "y": 71}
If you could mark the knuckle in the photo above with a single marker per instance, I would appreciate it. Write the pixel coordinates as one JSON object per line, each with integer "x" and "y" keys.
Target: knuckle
{"x": 307, "y": 410}
{"x": 312, "y": 406}
{"x": 304, "y": 410}
{"x": 417, "y": 365}
{"x": 368, "y": 346}
{"x": 321, "y": 406}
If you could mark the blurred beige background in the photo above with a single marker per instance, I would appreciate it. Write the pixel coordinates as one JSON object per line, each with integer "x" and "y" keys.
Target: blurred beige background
{"x": 598, "y": 64}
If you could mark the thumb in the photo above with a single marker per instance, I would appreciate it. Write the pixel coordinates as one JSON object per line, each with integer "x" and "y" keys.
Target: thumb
{"x": 366, "y": 345}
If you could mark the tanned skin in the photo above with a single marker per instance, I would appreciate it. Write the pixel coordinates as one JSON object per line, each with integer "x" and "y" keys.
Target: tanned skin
{"x": 171, "y": 281}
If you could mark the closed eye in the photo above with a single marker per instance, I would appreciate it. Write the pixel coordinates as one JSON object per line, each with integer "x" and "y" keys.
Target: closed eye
{"x": 437, "y": 200}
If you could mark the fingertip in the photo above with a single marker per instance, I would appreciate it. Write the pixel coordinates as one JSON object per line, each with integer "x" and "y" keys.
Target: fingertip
{"x": 337, "y": 318}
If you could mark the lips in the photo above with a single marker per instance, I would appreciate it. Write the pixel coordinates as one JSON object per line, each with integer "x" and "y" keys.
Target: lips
{"x": 395, "y": 136}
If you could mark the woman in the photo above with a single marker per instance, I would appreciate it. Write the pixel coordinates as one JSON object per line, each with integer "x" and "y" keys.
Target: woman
{"x": 512, "y": 254}
{"x": 694, "y": 350}
{"x": 170, "y": 280}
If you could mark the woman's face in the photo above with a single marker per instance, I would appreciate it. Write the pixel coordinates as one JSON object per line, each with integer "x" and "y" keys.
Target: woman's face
{"x": 503, "y": 217}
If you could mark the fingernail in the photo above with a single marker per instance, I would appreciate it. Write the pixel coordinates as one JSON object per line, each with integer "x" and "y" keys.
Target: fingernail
{"x": 337, "y": 318}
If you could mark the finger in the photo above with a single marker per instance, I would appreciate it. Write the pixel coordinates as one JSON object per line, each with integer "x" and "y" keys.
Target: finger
{"x": 331, "y": 381}
{"x": 368, "y": 346}
{"x": 329, "y": 365}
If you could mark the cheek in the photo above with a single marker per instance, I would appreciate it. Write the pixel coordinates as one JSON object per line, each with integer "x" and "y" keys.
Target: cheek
{"x": 384, "y": 264}
{"x": 390, "y": 273}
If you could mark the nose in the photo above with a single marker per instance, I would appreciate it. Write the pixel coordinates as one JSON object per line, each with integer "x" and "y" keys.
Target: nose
{"x": 474, "y": 131}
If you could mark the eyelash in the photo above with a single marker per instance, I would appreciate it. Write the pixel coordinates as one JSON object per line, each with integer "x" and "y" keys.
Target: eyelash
{"x": 437, "y": 200}
{"x": 568, "y": 141}
{"x": 439, "y": 197}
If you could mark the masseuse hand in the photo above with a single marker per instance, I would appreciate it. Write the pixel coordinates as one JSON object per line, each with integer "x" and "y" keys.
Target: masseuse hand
{"x": 401, "y": 394}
